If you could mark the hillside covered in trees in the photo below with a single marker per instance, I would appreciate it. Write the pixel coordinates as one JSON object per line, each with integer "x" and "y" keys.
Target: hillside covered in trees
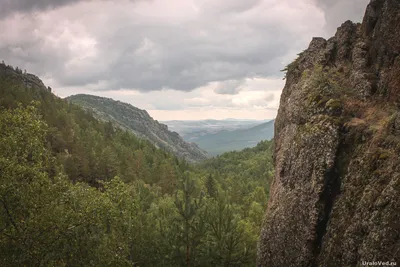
{"x": 76, "y": 191}
{"x": 139, "y": 123}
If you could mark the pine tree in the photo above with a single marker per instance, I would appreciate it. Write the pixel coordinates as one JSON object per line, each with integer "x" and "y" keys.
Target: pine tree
{"x": 225, "y": 243}
{"x": 189, "y": 208}
{"x": 211, "y": 186}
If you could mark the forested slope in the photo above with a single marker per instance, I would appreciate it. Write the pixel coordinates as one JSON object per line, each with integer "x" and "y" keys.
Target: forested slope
{"x": 75, "y": 191}
{"x": 89, "y": 150}
{"x": 140, "y": 123}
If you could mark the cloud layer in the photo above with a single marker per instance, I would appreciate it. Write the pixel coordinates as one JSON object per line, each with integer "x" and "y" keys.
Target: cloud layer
{"x": 218, "y": 46}
{"x": 336, "y": 12}
{"x": 151, "y": 45}
{"x": 23, "y": 6}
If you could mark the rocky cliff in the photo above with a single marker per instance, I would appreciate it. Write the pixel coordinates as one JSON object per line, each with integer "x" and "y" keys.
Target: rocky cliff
{"x": 28, "y": 79}
{"x": 335, "y": 199}
{"x": 141, "y": 124}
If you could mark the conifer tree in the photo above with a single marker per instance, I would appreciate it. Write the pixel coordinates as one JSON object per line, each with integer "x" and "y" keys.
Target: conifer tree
{"x": 191, "y": 222}
{"x": 211, "y": 186}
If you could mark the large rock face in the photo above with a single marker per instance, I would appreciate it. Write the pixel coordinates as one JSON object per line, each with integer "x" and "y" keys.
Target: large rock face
{"x": 28, "y": 79}
{"x": 335, "y": 199}
{"x": 141, "y": 124}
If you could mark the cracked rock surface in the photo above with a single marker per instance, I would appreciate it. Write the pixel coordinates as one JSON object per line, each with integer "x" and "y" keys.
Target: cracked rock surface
{"x": 335, "y": 198}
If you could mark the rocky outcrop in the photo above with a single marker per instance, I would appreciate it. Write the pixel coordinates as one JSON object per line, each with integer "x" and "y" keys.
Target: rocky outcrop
{"x": 335, "y": 199}
{"x": 141, "y": 124}
{"x": 28, "y": 79}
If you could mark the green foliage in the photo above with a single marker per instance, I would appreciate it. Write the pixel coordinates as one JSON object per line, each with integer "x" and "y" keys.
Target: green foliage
{"x": 333, "y": 104}
{"x": 290, "y": 68}
{"x": 140, "y": 123}
{"x": 242, "y": 171}
{"x": 211, "y": 186}
{"x": 190, "y": 222}
{"x": 89, "y": 150}
{"x": 226, "y": 243}
{"x": 78, "y": 192}
{"x": 47, "y": 221}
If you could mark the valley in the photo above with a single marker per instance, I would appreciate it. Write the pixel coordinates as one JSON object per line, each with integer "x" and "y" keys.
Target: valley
{"x": 219, "y": 136}
{"x": 89, "y": 178}
{"x": 80, "y": 186}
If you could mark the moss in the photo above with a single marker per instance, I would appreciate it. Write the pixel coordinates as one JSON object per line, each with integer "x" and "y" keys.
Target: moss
{"x": 317, "y": 127}
{"x": 322, "y": 102}
{"x": 392, "y": 142}
{"x": 336, "y": 120}
{"x": 294, "y": 65}
{"x": 320, "y": 80}
{"x": 378, "y": 156}
{"x": 333, "y": 104}
{"x": 392, "y": 119}
{"x": 384, "y": 155}
{"x": 314, "y": 98}
{"x": 306, "y": 74}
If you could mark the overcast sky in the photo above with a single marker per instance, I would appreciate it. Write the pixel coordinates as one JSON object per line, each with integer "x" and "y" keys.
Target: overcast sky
{"x": 178, "y": 59}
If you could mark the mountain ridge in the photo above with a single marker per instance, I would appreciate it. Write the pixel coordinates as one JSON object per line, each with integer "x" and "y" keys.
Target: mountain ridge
{"x": 229, "y": 140}
{"x": 214, "y": 135}
{"x": 139, "y": 122}
{"x": 78, "y": 191}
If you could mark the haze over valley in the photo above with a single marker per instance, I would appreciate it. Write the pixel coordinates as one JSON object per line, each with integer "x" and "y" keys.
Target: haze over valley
{"x": 219, "y": 136}
{"x": 215, "y": 133}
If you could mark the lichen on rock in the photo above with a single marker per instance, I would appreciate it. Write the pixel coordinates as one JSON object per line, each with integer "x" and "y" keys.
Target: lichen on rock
{"x": 335, "y": 198}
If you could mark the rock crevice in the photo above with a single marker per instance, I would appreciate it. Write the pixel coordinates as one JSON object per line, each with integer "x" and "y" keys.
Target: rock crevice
{"x": 335, "y": 198}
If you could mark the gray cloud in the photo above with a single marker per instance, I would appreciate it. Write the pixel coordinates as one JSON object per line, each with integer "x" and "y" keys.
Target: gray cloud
{"x": 10, "y": 6}
{"x": 337, "y": 12}
{"x": 158, "y": 44}
{"x": 231, "y": 87}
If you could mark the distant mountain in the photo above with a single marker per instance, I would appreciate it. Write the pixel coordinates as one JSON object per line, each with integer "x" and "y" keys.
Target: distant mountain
{"x": 192, "y": 130}
{"x": 140, "y": 123}
{"x": 225, "y": 141}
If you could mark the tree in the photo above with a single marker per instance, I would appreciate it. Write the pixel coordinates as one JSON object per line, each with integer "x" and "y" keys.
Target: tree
{"x": 18, "y": 70}
{"x": 225, "y": 245}
{"x": 45, "y": 220}
{"x": 23, "y": 160}
{"x": 167, "y": 177}
{"x": 189, "y": 204}
{"x": 211, "y": 186}
{"x": 75, "y": 191}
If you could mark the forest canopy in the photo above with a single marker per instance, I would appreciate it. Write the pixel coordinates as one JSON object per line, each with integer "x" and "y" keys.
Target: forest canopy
{"x": 75, "y": 191}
